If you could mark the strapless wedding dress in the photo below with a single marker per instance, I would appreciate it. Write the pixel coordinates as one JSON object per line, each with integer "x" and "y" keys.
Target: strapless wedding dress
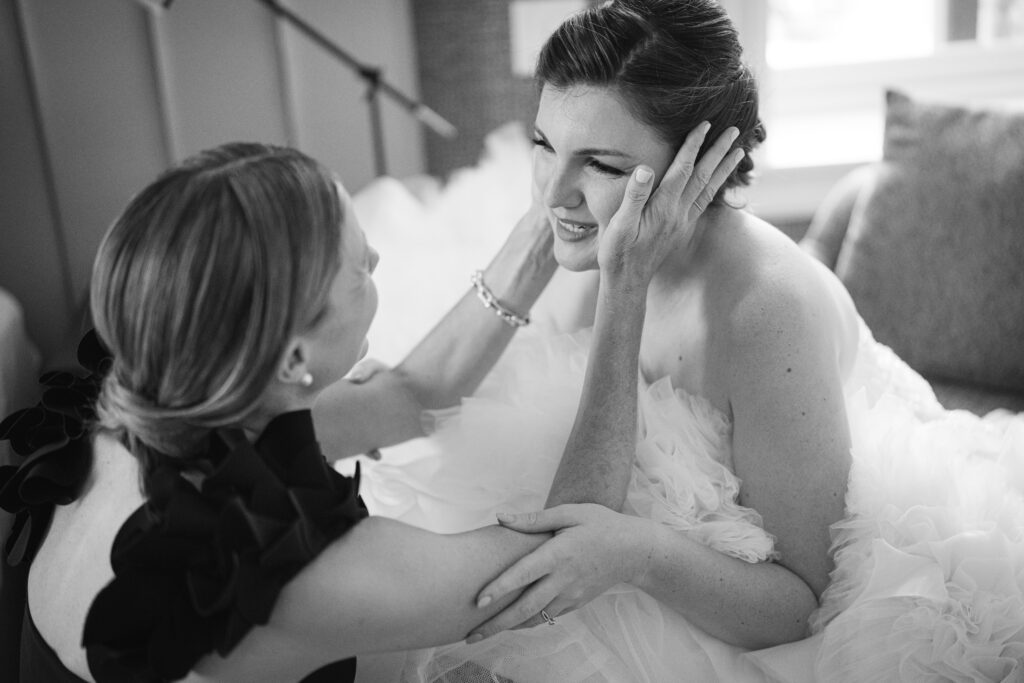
{"x": 929, "y": 578}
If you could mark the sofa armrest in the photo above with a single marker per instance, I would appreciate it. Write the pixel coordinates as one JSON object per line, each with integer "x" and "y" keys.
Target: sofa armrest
{"x": 824, "y": 237}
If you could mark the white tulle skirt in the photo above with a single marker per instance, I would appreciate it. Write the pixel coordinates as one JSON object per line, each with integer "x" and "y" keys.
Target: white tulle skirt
{"x": 929, "y": 578}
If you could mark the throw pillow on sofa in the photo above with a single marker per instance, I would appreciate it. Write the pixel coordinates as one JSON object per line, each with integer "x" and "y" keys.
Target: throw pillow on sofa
{"x": 934, "y": 254}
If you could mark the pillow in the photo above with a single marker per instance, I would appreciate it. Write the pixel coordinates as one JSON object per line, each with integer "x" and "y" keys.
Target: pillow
{"x": 934, "y": 256}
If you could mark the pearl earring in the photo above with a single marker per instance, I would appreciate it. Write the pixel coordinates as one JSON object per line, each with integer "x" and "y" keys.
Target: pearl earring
{"x": 307, "y": 380}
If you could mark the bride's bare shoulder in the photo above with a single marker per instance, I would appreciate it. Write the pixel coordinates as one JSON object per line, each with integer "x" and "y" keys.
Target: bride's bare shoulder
{"x": 761, "y": 281}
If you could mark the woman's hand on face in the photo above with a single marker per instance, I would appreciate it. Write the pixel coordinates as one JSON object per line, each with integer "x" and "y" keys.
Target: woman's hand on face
{"x": 593, "y": 549}
{"x": 649, "y": 223}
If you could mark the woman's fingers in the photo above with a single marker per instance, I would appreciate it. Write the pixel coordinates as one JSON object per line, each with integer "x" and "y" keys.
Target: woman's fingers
{"x": 525, "y": 611}
{"x": 718, "y": 178}
{"x": 551, "y": 519}
{"x": 623, "y": 231}
{"x": 682, "y": 167}
{"x": 713, "y": 169}
{"x": 522, "y": 573}
{"x": 365, "y": 369}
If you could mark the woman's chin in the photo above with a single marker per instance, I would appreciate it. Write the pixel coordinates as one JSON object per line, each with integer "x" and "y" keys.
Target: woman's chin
{"x": 575, "y": 260}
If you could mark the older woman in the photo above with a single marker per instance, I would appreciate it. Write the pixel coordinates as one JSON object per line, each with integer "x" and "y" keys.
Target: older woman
{"x": 180, "y": 519}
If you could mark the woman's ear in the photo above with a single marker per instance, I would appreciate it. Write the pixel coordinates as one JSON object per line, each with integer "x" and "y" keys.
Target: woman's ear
{"x": 294, "y": 367}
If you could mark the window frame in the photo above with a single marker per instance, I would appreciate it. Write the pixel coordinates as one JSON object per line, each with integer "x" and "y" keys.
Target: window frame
{"x": 965, "y": 72}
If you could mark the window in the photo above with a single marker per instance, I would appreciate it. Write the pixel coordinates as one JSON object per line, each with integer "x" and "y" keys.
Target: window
{"x": 809, "y": 33}
{"x": 824, "y": 66}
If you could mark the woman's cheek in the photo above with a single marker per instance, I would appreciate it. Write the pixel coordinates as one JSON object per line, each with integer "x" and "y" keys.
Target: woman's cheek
{"x": 610, "y": 200}
{"x": 539, "y": 171}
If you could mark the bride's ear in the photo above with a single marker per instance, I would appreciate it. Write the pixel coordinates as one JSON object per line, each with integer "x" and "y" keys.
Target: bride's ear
{"x": 294, "y": 366}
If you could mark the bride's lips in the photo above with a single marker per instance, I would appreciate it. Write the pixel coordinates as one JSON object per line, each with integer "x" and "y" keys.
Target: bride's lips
{"x": 571, "y": 231}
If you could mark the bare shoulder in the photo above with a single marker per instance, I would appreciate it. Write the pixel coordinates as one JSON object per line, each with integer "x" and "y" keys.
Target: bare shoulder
{"x": 770, "y": 296}
{"x": 73, "y": 563}
{"x": 786, "y": 337}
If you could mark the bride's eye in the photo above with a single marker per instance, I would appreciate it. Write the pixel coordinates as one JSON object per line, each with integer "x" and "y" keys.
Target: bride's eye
{"x": 605, "y": 169}
{"x": 541, "y": 142}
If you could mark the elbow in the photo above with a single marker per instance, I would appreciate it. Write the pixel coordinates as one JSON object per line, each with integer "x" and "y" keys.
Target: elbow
{"x": 787, "y": 624}
{"x": 426, "y": 393}
{"x": 784, "y": 631}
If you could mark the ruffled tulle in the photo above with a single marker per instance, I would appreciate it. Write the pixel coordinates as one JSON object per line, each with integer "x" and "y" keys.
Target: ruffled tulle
{"x": 929, "y": 578}
{"x": 499, "y": 452}
{"x": 929, "y": 570}
{"x": 194, "y": 569}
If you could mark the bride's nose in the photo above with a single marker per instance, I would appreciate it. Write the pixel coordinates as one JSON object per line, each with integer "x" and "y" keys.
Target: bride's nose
{"x": 559, "y": 189}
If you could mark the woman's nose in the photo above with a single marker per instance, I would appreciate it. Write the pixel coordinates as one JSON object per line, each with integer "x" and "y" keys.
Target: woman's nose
{"x": 559, "y": 189}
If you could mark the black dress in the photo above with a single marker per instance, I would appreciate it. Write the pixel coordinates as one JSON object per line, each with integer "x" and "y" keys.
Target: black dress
{"x": 194, "y": 568}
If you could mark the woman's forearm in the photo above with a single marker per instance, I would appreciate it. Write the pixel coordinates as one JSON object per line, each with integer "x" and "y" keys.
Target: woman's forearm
{"x": 598, "y": 458}
{"x": 385, "y": 409}
{"x": 452, "y": 360}
{"x": 752, "y": 605}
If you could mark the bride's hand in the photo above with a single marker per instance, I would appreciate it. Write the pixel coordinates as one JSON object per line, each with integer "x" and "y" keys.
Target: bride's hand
{"x": 593, "y": 549}
{"x": 649, "y": 223}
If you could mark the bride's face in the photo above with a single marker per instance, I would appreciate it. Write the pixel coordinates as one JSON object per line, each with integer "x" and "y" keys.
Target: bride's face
{"x": 586, "y": 144}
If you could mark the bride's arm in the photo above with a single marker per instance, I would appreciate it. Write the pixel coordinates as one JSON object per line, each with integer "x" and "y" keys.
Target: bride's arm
{"x": 791, "y": 451}
{"x": 598, "y": 458}
{"x": 450, "y": 362}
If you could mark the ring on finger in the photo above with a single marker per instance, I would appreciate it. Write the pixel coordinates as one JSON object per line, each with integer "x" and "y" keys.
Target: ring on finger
{"x": 545, "y": 617}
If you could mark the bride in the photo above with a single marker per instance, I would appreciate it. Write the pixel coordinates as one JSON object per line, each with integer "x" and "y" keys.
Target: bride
{"x": 791, "y": 476}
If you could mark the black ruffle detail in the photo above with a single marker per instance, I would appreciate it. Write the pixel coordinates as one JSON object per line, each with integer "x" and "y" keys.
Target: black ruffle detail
{"x": 53, "y": 437}
{"x": 195, "y": 569}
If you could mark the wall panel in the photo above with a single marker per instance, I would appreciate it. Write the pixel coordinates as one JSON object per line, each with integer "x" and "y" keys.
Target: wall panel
{"x": 332, "y": 115}
{"x": 222, "y": 74}
{"x": 123, "y": 89}
{"x": 31, "y": 264}
{"x": 99, "y": 110}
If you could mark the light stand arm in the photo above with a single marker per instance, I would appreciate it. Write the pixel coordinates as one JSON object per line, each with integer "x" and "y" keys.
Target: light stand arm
{"x": 375, "y": 85}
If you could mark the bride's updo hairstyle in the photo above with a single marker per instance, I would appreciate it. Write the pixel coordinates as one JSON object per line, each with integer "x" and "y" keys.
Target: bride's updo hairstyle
{"x": 673, "y": 64}
{"x": 198, "y": 287}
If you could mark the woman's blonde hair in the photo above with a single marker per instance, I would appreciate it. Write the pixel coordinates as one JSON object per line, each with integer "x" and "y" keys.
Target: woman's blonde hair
{"x": 199, "y": 285}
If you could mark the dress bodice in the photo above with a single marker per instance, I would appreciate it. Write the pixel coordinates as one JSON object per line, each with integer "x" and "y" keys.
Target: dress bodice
{"x": 504, "y": 443}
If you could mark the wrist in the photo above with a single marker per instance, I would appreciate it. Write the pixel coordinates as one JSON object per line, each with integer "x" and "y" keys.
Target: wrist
{"x": 646, "y": 540}
{"x": 625, "y": 303}
{"x": 523, "y": 266}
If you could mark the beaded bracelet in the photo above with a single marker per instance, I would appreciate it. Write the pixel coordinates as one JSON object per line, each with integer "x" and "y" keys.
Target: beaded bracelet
{"x": 485, "y": 295}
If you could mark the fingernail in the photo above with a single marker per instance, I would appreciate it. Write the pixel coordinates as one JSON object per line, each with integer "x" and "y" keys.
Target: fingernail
{"x": 705, "y": 127}
{"x": 484, "y": 601}
{"x": 505, "y": 517}
{"x": 733, "y": 134}
{"x": 474, "y": 638}
{"x": 643, "y": 175}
